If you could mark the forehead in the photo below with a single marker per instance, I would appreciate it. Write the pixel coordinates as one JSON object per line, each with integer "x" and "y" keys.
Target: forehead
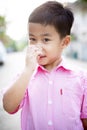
{"x": 39, "y": 28}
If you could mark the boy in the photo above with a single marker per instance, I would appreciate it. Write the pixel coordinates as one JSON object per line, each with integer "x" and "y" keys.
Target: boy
{"x": 52, "y": 95}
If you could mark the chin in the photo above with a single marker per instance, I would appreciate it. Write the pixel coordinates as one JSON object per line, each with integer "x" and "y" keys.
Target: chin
{"x": 41, "y": 63}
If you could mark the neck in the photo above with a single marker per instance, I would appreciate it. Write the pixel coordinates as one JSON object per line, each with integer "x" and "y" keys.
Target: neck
{"x": 52, "y": 66}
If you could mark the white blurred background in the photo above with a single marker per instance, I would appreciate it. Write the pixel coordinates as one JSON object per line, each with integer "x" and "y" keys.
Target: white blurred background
{"x": 13, "y": 37}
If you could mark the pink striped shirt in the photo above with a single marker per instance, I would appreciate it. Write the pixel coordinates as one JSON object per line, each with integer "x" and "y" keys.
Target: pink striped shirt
{"x": 55, "y": 100}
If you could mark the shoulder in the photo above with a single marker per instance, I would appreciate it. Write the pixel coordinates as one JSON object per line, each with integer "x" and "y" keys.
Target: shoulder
{"x": 74, "y": 68}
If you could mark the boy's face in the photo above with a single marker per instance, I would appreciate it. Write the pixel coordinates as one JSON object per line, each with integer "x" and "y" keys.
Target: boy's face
{"x": 49, "y": 39}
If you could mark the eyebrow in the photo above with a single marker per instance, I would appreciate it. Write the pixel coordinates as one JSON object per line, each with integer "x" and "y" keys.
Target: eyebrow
{"x": 44, "y": 34}
{"x": 31, "y": 34}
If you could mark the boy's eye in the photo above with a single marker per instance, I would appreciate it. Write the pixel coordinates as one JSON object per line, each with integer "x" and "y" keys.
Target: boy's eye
{"x": 46, "y": 39}
{"x": 32, "y": 39}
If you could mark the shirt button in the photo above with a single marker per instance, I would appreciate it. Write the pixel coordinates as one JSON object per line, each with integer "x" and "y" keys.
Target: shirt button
{"x": 50, "y": 123}
{"x": 50, "y": 102}
{"x": 50, "y": 82}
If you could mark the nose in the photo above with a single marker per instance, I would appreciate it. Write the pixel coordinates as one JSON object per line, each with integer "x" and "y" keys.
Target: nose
{"x": 40, "y": 45}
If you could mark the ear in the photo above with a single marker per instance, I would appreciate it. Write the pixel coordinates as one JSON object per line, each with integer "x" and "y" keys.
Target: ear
{"x": 66, "y": 41}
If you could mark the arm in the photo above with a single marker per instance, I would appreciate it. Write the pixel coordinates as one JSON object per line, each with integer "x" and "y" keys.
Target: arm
{"x": 84, "y": 122}
{"x": 14, "y": 95}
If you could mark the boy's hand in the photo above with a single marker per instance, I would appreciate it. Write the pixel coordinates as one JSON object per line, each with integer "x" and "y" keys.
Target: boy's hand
{"x": 31, "y": 57}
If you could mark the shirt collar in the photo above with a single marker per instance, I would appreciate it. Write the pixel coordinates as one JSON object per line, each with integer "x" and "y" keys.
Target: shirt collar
{"x": 38, "y": 68}
{"x": 67, "y": 65}
{"x": 64, "y": 64}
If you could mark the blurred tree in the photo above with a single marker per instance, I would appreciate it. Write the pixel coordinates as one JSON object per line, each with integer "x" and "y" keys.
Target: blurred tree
{"x": 2, "y": 28}
{"x": 9, "y": 43}
{"x": 83, "y": 0}
{"x": 80, "y": 5}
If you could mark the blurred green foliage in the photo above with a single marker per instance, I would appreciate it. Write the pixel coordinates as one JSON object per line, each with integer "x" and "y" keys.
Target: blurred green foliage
{"x": 3, "y": 29}
{"x": 73, "y": 37}
{"x": 10, "y": 44}
{"x": 3, "y": 36}
{"x": 83, "y": 0}
{"x": 21, "y": 45}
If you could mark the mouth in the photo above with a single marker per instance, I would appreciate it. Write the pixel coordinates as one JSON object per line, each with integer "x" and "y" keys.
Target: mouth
{"x": 41, "y": 56}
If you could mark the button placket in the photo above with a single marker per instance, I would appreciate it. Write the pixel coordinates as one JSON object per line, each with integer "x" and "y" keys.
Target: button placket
{"x": 50, "y": 87}
{"x": 50, "y": 123}
{"x": 50, "y": 82}
{"x": 50, "y": 102}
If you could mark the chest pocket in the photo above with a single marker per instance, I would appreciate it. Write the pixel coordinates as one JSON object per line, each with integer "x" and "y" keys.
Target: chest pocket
{"x": 71, "y": 102}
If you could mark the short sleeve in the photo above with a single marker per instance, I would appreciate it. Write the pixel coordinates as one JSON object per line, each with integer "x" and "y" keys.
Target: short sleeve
{"x": 23, "y": 100}
{"x": 84, "y": 102}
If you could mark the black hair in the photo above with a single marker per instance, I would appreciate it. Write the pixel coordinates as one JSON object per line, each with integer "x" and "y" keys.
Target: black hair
{"x": 53, "y": 13}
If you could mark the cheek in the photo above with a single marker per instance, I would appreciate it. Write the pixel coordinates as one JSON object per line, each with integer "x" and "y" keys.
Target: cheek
{"x": 52, "y": 50}
{"x": 47, "y": 49}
